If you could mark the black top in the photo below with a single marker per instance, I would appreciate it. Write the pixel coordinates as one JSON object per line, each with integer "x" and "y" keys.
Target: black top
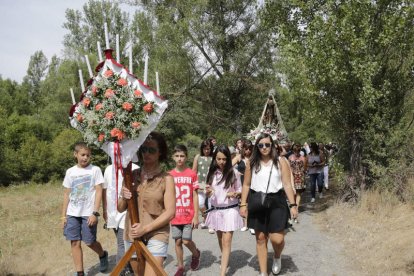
{"x": 241, "y": 167}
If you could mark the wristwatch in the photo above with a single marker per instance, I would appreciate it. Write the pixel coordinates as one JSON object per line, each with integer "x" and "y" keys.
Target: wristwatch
{"x": 96, "y": 214}
{"x": 292, "y": 205}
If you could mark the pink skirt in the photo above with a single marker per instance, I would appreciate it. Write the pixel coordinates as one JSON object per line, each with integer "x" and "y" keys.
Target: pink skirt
{"x": 224, "y": 220}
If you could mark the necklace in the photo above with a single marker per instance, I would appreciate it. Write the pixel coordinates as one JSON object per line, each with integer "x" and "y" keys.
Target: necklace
{"x": 150, "y": 174}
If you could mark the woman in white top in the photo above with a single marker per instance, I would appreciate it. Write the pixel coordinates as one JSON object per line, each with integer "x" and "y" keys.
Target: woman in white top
{"x": 267, "y": 171}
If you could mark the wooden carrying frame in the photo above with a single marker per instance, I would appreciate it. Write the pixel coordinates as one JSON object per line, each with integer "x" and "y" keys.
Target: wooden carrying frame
{"x": 143, "y": 255}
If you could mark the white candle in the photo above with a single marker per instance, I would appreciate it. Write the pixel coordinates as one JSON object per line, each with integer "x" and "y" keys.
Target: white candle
{"x": 118, "y": 59}
{"x": 99, "y": 51}
{"x": 89, "y": 66}
{"x": 72, "y": 95}
{"x": 81, "y": 80}
{"x": 130, "y": 58}
{"x": 157, "y": 81}
{"x": 106, "y": 36}
{"x": 146, "y": 69}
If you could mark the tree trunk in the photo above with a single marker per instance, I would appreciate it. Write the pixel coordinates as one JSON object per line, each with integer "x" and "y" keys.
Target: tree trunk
{"x": 357, "y": 170}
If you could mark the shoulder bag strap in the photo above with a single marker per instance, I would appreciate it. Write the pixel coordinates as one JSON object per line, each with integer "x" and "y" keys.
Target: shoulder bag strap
{"x": 268, "y": 182}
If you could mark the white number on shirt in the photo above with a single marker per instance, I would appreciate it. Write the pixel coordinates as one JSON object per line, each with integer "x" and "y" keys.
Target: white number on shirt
{"x": 182, "y": 194}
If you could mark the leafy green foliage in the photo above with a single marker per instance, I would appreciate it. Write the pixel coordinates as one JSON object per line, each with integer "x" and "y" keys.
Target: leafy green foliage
{"x": 86, "y": 27}
{"x": 355, "y": 66}
{"x": 35, "y": 74}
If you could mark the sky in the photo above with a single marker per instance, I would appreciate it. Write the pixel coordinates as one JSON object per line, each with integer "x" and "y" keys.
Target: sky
{"x": 28, "y": 26}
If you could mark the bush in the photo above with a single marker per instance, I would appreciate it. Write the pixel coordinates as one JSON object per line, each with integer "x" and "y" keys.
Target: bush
{"x": 35, "y": 156}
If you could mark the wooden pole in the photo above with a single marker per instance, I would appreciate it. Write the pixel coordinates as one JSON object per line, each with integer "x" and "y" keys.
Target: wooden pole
{"x": 138, "y": 246}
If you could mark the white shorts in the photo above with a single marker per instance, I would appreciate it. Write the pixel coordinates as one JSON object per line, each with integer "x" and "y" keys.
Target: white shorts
{"x": 155, "y": 247}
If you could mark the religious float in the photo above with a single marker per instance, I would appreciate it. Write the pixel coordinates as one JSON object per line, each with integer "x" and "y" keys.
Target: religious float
{"x": 270, "y": 122}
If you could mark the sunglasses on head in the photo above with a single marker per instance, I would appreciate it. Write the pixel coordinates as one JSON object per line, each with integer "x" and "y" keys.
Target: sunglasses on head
{"x": 151, "y": 150}
{"x": 264, "y": 145}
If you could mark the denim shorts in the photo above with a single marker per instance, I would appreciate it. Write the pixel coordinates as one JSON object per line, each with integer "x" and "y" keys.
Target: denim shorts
{"x": 77, "y": 229}
{"x": 155, "y": 247}
{"x": 184, "y": 231}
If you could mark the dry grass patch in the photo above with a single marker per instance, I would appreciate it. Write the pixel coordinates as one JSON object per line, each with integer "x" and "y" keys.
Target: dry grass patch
{"x": 31, "y": 240}
{"x": 377, "y": 233}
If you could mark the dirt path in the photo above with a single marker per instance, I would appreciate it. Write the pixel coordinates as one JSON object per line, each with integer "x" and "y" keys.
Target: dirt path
{"x": 308, "y": 251}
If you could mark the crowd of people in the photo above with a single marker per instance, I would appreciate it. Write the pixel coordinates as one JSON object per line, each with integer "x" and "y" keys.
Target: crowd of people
{"x": 255, "y": 186}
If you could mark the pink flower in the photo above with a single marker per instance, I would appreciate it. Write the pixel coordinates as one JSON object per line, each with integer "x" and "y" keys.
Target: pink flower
{"x": 148, "y": 108}
{"x": 79, "y": 118}
{"x": 109, "y": 115}
{"x": 101, "y": 137}
{"x": 127, "y": 106}
{"x": 136, "y": 124}
{"x": 117, "y": 133}
{"x": 98, "y": 107}
{"x": 86, "y": 101}
{"x": 138, "y": 93}
{"x": 94, "y": 90}
{"x": 109, "y": 93}
{"x": 122, "y": 82}
{"x": 108, "y": 73}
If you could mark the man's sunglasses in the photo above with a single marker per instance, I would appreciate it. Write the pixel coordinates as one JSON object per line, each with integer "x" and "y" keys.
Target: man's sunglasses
{"x": 265, "y": 145}
{"x": 151, "y": 150}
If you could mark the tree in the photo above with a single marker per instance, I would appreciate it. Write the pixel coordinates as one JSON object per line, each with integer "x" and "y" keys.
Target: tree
{"x": 219, "y": 60}
{"x": 86, "y": 28}
{"x": 355, "y": 63}
{"x": 35, "y": 73}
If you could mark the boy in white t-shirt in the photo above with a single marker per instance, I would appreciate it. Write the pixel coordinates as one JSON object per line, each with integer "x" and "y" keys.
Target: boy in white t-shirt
{"x": 81, "y": 202}
{"x": 186, "y": 210}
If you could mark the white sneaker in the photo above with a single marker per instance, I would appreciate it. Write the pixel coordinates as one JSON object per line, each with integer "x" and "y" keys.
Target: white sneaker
{"x": 244, "y": 229}
{"x": 203, "y": 225}
{"x": 252, "y": 231}
{"x": 277, "y": 265}
{"x": 312, "y": 200}
{"x": 211, "y": 231}
{"x": 320, "y": 195}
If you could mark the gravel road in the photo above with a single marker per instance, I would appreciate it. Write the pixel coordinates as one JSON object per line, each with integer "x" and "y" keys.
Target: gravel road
{"x": 308, "y": 251}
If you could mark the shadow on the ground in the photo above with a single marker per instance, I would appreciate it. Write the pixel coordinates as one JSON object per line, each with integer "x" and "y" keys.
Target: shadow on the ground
{"x": 288, "y": 265}
{"x": 94, "y": 270}
{"x": 238, "y": 260}
{"x": 206, "y": 259}
{"x": 320, "y": 204}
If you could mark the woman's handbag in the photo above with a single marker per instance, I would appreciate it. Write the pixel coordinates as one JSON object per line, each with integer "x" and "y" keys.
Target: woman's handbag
{"x": 258, "y": 201}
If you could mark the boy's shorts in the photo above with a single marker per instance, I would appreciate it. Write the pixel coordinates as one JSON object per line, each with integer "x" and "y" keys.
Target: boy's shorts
{"x": 77, "y": 229}
{"x": 155, "y": 247}
{"x": 184, "y": 231}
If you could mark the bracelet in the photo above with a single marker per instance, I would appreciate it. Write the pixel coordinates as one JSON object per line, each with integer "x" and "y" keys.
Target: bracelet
{"x": 292, "y": 205}
{"x": 242, "y": 205}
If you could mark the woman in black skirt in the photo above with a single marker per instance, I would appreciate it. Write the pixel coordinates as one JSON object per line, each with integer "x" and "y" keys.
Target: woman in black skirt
{"x": 268, "y": 173}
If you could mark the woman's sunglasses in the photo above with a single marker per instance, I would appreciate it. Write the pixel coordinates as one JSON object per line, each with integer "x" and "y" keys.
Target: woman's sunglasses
{"x": 151, "y": 150}
{"x": 264, "y": 145}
